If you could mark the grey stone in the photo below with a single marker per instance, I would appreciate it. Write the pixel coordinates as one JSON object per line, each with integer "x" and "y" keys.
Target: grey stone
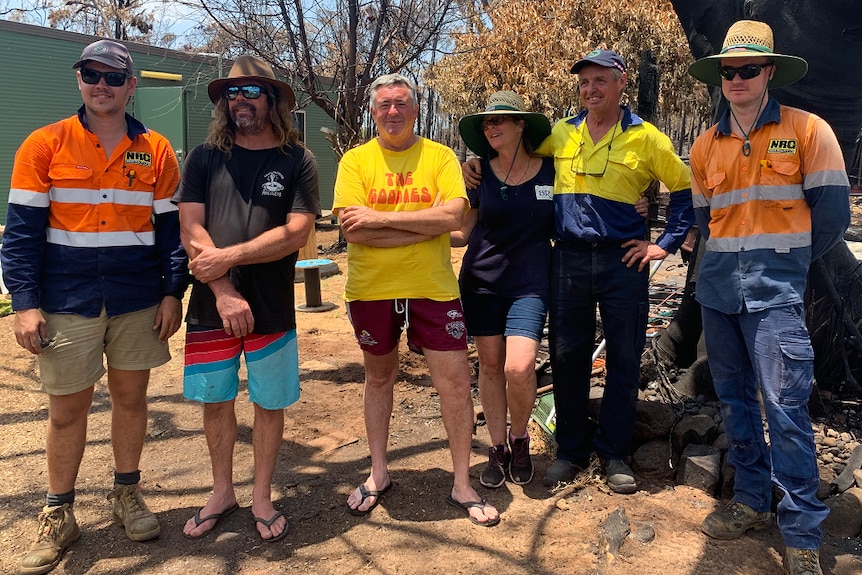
{"x": 615, "y": 530}
{"x": 721, "y": 442}
{"x": 845, "y": 477}
{"x": 699, "y": 467}
{"x": 644, "y": 532}
{"x": 653, "y": 420}
{"x": 654, "y": 459}
{"x": 697, "y": 429}
{"x": 845, "y": 514}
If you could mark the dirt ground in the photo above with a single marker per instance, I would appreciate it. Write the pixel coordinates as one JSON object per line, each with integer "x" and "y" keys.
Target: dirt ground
{"x": 324, "y": 456}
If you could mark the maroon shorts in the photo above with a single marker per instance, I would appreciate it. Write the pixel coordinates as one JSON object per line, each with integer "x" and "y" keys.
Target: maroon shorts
{"x": 434, "y": 325}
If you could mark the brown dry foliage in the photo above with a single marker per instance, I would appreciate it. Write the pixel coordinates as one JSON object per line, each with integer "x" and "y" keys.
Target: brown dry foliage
{"x": 529, "y": 46}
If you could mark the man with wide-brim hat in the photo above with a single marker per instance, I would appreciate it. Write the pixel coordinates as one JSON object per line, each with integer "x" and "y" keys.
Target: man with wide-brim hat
{"x": 505, "y": 273}
{"x": 247, "y": 199}
{"x": 774, "y": 178}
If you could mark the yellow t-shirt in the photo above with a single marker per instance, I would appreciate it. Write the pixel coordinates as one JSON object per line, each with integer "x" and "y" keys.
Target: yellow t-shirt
{"x": 423, "y": 176}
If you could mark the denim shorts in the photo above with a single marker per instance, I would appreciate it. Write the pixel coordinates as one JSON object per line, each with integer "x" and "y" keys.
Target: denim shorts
{"x": 487, "y": 314}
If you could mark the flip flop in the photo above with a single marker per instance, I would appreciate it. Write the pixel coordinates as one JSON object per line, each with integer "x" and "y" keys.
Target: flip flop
{"x": 216, "y": 516}
{"x": 365, "y": 493}
{"x": 465, "y": 509}
{"x": 269, "y": 523}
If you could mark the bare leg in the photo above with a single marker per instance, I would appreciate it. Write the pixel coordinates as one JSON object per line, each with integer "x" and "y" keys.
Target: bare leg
{"x": 492, "y": 385}
{"x": 450, "y": 373}
{"x": 65, "y": 438}
{"x": 381, "y": 372}
{"x": 220, "y": 430}
{"x": 128, "y": 416}
{"x": 521, "y": 376}
{"x": 266, "y": 440}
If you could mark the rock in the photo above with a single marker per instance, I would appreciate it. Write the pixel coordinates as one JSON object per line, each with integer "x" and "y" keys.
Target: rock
{"x": 721, "y": 442}
{"x": 728, "y": 473}
{"x": 653, "y": 420}
{"x": 697, "y": 429}
{"x": 644, "y": 532}
{"x": 699, "y": 467}
{"x": 830, "y": 441}
{"x": 845, "y": 514}
{"x": 845, "y": 478}
{"x": 653, "y": 459}
{"x": 857, "y": 477}
{"x": 615, "y": 530}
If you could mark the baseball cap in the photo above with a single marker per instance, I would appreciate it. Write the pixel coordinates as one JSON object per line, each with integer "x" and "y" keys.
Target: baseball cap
{"x": 605, "y": 58}
{"x": 107, "y": 52}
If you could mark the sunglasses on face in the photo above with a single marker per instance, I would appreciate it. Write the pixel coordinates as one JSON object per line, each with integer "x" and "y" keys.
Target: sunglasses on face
{"x": 248, "y": 92}
{"x": 746, "y": 72}
{"x": 493, "y": 121}
{"x": 114, "y": 79}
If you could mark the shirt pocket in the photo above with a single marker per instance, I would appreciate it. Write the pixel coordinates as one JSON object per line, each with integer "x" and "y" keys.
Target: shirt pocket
{"x": 780, "y": 173}
{"x": 715, "y": 183}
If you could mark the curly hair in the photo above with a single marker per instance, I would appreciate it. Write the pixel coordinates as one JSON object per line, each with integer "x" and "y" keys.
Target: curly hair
{"x": 222, "y": 130}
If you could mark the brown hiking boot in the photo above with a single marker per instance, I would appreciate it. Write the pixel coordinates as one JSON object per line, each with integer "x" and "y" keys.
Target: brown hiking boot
{"x": 734, "y": 520}
{"x": 57, "y": 531}
{"x": 133, "y": 513}
{"x": 802, "y": 561}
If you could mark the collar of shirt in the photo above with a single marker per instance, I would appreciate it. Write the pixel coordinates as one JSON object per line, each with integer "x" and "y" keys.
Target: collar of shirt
{"x": 629, "y": 119}
{"x": 771, "y": 113}
{"x": 134, "y": 127}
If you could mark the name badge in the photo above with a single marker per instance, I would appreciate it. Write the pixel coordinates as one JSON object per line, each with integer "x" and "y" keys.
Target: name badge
{"x": 544, "y": 192}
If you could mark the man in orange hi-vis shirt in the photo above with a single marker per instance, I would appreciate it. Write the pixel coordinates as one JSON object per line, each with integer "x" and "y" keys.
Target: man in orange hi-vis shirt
{"x": 93, "y": 259}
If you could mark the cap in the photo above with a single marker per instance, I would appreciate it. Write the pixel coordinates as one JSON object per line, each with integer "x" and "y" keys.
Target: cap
{"x": 605, "y": 58}
{"x": 107, "y": 52}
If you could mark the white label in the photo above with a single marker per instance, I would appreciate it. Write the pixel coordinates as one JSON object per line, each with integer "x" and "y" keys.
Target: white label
{"x": 544, "y": 192}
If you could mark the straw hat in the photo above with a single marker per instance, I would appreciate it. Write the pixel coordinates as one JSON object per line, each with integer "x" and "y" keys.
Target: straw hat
{"x": 746, "y": 39}
{"x": 250, "y": 68}
{"x": 503, "y": 103}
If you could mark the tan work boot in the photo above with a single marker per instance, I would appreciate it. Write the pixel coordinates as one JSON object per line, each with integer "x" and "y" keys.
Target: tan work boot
{"x": 734, "y": 520}
{"x": 802, "y": 561}
{"x": 130, "y": 510}
{"x": 57, "y": 531}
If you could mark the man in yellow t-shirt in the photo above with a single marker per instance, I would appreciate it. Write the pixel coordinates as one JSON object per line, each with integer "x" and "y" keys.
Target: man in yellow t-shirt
{"x": 397, "y": 198}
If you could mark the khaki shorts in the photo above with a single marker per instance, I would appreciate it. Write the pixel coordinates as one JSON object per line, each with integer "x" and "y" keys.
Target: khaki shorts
{"x": 73, "y": 361}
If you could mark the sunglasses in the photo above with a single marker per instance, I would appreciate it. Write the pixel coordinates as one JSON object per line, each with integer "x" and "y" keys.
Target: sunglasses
{"x": 746, "y": 72}
{"x": 494, "y": 120}
{"x": 114, "y": 79}
{"x": 248, "y": 92}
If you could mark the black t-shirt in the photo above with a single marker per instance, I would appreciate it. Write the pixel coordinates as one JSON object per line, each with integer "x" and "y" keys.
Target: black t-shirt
{"x": 509, "y": 249}
{"x": 245, "y": 195}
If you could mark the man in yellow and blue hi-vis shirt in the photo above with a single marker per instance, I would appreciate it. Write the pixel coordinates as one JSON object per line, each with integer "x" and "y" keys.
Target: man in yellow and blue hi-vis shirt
{"x": 770, "y": 193}
{"x": 605, "y": 158}
{"x": 93, "y": 259}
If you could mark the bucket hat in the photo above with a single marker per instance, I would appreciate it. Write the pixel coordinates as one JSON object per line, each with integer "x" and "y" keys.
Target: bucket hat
{"x": 250, "y": 68}
{"x": 503, "y": 103}
{"x": 747, "y": 39}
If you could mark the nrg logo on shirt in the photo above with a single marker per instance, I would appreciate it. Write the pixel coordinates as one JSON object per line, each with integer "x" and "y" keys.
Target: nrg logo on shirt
{"x": 779, "y": 146}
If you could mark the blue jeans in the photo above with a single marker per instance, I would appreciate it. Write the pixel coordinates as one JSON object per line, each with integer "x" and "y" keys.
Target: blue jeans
{"x": 770, "y": 352}
{"x": 583, "y": 276}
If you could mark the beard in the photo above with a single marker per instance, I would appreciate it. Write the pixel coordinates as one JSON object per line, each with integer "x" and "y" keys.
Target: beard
{"x": 248, "y": 124}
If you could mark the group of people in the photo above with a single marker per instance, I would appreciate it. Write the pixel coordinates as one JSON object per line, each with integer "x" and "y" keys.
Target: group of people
{"x": 102, "y": 233}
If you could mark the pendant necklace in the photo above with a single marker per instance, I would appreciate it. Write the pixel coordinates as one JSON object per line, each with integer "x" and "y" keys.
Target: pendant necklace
{"x": 746, "y": 144}
{"x": 503, "y": 184}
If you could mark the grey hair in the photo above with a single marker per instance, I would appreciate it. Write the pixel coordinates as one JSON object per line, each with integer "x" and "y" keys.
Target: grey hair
{"x": 392, "y": 80}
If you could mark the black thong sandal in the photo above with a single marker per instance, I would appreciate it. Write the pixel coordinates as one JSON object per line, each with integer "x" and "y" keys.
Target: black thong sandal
{"x": 269, "y": 523}
{"x": 365, "y": 493}
{"x": 217, "y": 517}
{"x": 465, "y": 509}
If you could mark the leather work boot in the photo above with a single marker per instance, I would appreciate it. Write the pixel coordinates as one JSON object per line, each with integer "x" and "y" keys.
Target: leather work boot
{"x": 561, "y": 471}
{"x": 802, "y": 561}
{"x": 130, "y": 510}
{"x": 494, "y": 474}
{"x": 734, "y": 520}
{"x": 621, "y": 478}
{"x": 57, "y": 531}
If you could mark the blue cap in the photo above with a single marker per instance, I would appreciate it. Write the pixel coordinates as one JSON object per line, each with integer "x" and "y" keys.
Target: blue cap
{"x": 605, "y": 58}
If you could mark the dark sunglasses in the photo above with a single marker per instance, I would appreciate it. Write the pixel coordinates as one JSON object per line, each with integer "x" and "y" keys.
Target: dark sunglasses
{"x": 248, "y": 92}
{"x": 494, "y": 120}
{"x": 114, "y": 79}
{"x": 746, "y": 72}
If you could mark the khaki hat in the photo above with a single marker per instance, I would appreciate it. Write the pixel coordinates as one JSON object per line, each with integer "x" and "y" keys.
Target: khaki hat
{"x": 109, "y": 53}
{"x": 250, "y": 68}
{"x": 747, "y": 39}
{"x": 504, "y": 103}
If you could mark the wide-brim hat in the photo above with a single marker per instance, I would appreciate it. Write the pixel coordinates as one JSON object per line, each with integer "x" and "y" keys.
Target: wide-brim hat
{"x": 749, "y": 39}
{"x": 504, "y": 103}
{"x": 250, "y": 68}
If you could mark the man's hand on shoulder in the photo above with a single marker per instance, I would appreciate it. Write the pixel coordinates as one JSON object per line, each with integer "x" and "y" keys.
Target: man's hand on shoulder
{"x": 30, "y": 330}
{"x": 471, "y": 171}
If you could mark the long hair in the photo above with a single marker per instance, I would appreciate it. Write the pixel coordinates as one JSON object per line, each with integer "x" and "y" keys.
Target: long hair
{"x": 222, "y": 130}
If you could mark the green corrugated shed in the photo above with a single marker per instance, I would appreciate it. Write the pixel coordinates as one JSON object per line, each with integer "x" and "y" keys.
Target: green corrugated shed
{"x": 37, "y": 87}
